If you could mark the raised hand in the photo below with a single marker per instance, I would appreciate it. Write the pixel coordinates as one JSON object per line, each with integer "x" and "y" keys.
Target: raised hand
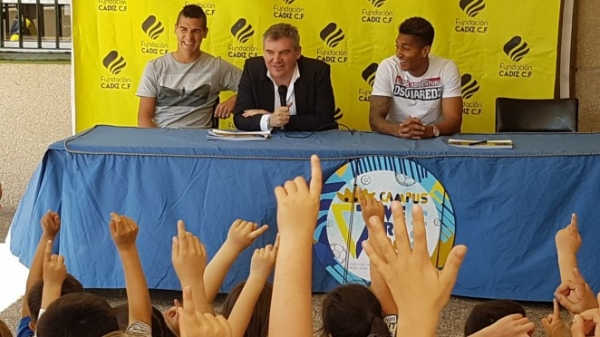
{"x": 189, "y": 260}
{"x": 419, "y": 289}
{"x": 55, "y": 270}
{"x": 194, "y": 323}
{"x": 54, "y": 274}
{"x": 576, "y": 295}
{"x": 553, "y": 324}
{"x": 263, "y": 260}
{"x": 297, "y": 210}
{"x": 568, "y": 239}
{"x": 586, "y": 322}
{"x": 50, "y": 224}
{"x": 369, "y": 206}
{"x": 188, "y": 256}
{"x": 123, "y": 231}
{"x": 298, "y": 203}
{"x": 374, "y": 208}
{"x": 171, "y": 316}
{"x": 243, "y": 233}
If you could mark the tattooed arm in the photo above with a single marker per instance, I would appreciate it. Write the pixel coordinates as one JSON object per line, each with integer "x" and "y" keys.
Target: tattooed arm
{"x": 380, "y": 107}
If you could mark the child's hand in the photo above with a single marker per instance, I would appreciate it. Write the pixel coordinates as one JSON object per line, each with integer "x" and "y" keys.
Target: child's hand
{"x": 171, "y": 316}
{"x": 576, "y": 295}
{"x": 123, "y": 231}
{"x": 243, "y": 233}
{"x": 369, "y": 206}
{"x": 514, "y": 325}
{"x": 568, "y": 239}
{"x": 188, "y": 256}
{"x": 193, "y": 323}
{"x": 553, "y": 324}
{"x": 55, "y": 270}
{"x": 298, "y": 204}
{"x": 50, "y": 224}
{"x": 416, "y": 285}
{"x": 585, "y": 323}
{"x": 263, "y": 260}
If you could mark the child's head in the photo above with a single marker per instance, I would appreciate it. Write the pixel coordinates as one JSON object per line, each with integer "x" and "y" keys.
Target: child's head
{"x": 259, "y": 323}
{"x": 78, "y": 314}
{"x": 352, "y": 311}
{"x": 4, "y": 330}
{"x": 159, "y": 326}
{"x": 487, "y": 313}
{"x": 34, "y": 298}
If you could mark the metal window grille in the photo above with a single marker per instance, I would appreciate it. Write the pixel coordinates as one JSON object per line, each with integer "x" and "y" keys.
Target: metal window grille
{"x": 35, "y": 25}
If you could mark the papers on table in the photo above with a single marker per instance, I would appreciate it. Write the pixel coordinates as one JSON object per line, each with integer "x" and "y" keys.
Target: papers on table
{"x": 481, "y": 144}
{"x": 216, "y": 134}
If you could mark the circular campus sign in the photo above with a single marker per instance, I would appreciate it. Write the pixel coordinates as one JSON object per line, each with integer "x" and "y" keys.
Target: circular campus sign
{"x": 341, "y": 229}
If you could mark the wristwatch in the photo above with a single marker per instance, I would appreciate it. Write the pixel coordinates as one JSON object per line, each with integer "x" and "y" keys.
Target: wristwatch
{"x": 436, "y": 131}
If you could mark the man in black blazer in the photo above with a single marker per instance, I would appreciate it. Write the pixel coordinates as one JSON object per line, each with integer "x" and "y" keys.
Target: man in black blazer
{"x": 282, "y": 70}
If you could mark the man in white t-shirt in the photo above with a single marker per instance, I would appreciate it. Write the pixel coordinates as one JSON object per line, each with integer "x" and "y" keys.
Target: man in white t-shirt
{"x": 180, "y": 89}
{"x": 416, "y": 95}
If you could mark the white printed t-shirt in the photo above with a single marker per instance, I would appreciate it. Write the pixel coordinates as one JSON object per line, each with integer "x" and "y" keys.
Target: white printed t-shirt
{"x": 419, "y": 97}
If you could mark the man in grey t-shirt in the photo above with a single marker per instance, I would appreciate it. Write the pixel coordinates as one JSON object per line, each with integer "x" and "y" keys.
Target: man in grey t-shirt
{"x": 180, "y": 89}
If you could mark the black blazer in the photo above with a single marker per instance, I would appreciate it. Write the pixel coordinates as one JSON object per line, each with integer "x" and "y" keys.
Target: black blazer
{"x": 315, "y": 105}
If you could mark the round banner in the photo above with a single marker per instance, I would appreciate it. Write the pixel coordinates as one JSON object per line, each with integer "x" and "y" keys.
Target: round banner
{"x": 341, "y": 229}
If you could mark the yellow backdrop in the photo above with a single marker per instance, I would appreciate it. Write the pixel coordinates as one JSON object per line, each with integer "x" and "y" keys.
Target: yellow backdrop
{"x": 503, "y": 48}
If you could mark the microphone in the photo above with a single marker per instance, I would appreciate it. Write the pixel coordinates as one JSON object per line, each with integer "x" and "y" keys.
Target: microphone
{"x": 282, "y": 90}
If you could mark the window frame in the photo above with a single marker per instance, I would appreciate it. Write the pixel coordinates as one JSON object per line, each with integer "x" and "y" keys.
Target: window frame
{"x": 56, "y": 46}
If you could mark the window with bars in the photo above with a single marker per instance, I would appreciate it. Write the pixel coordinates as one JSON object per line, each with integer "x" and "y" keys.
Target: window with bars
{"x": 35, "y": 25}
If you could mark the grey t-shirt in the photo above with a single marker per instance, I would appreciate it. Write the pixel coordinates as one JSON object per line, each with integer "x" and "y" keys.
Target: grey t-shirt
{"x": 186, "y": 92}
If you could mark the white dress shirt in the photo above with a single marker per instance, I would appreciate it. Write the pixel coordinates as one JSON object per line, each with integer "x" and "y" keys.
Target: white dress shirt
{"x": 290, "y": 98}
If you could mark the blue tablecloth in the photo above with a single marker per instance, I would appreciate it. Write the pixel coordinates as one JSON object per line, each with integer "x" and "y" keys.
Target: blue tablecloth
{"x": 508, "y": 203}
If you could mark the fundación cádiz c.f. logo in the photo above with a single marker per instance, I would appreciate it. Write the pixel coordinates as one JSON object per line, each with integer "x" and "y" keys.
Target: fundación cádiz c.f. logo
{"x": 469, "y": 86}
{"x": 152, "y": 27}
{"x": 114, "y": 62}
{"x": 516, "y": 49}
{"x": 242, "y": 30}
{"x": 472, "y": 7}
{"x": 369, "y": 73}
{"x": 332, "y": 35}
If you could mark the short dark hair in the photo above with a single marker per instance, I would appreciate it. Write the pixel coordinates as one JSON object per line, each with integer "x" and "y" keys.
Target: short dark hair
{"x": 192, "y": 12}
{"x": 34, "y": 298}
{"x": 78, "y": 314}
{"x": 283, "y": 30}
{"x": 352, "y": 310}
{"x": 418, "y": 27}
{"x": 485, "y": 314}
{"x": 158, "y": 324}
{"x": 259, "y": 322}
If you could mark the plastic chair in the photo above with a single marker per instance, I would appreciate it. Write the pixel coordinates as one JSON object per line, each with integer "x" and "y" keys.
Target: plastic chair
{"x": 536, "y": 115}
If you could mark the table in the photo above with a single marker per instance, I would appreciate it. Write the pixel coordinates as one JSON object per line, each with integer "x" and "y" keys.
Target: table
{"x": 508, "y": 203}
